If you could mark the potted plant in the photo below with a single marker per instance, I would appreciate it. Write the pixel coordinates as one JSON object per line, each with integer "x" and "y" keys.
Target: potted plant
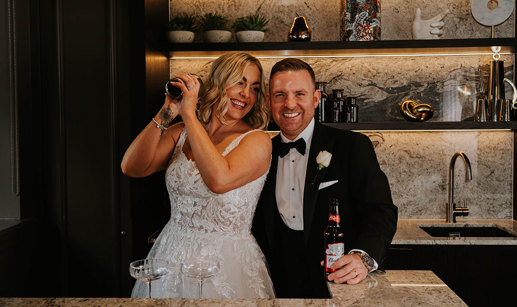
{"x": 215, "y": 28}
{"x": 250, "y": 28}
{"x": 181, "y": 28}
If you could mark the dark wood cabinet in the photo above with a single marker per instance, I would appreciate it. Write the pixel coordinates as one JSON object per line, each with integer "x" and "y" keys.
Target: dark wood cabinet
{"x": 482, "y": 275}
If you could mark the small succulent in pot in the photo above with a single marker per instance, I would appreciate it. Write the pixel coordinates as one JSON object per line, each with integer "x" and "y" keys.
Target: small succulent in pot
{"x": 181, "y": 28}
{"x": 250, "y": 28}
{"x": 215, "y": 28}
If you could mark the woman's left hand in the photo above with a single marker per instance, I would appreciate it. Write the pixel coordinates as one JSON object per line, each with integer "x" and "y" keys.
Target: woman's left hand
{"x": 190, "y": 89}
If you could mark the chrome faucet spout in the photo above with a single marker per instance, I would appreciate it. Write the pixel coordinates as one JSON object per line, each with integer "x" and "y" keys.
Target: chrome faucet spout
{"x": 452, "y": 211}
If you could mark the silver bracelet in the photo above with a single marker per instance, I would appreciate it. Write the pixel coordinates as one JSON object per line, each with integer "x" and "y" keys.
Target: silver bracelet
{"x": 158, "y": 125}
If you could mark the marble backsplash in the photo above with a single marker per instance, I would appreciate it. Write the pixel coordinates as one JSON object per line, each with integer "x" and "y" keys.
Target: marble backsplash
{"x": 416, "y": 163}
{"x": 417, "y": 166}
{"x": 448, "y": 83}
{"x": 324, "y": 17}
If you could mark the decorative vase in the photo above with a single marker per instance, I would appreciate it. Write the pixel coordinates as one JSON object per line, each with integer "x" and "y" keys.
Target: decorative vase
{"x": 360, "y": 20}
{"x": 180, "y": 36}
{"x": 300, "y": 30}
{"x": 249, "y": 36}
{"x": 217, "y": 36}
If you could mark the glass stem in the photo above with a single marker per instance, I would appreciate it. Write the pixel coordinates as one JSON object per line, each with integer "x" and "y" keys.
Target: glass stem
{"x": 200, "y": 281}
{"x": 149, "y": 288}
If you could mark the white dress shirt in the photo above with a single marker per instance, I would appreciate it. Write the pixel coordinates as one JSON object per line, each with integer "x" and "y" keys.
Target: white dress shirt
{"x": 290, "y": 180}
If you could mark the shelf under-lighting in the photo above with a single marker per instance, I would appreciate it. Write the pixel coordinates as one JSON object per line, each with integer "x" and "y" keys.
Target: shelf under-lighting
{"x": 394, "y": 48}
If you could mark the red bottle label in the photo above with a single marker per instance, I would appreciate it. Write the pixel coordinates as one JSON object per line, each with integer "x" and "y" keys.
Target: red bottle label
{"x": 334, "y": 218}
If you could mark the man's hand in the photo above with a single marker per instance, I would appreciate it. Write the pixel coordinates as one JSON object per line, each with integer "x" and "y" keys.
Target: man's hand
{"x": 350, "y": 269}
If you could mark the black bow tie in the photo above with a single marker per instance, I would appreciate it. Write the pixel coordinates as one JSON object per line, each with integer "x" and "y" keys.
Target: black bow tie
{"x": 283, "y": 148}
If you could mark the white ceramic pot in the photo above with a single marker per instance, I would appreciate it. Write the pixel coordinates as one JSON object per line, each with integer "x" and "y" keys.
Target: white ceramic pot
{"x": 217, "y": 36}
{"x": 180, "y": 36}
{"x": 250, "y": 36}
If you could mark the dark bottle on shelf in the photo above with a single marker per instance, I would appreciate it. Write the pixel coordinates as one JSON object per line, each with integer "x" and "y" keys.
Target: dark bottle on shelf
{"x": 333, "y": 236}
{"x": 353, "y": 109}
{"x": 337, "y": 106}
{"x": 322, "y": 111}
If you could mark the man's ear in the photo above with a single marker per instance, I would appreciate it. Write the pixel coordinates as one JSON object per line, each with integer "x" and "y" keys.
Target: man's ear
{"x": 317, "y": 97}
{"x": 268, "y": 99}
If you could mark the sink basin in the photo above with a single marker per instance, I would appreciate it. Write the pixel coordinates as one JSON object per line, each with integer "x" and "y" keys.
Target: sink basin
{"x": 466, "y": 231}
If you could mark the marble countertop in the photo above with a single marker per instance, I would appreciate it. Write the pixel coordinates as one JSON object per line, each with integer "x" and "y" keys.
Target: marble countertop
{"x": 409, "y": 232}
{"x": 393, "y": 288}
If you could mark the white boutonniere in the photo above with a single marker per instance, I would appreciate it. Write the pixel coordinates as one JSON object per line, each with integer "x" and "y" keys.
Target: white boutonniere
{"x": 323, "y": 159}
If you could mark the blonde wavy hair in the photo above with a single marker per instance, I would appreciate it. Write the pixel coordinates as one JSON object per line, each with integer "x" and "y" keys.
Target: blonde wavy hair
{"x": 226, "y": 72}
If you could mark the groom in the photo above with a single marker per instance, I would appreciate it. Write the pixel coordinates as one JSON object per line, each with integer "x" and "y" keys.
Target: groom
{"x": 292, "y": 212}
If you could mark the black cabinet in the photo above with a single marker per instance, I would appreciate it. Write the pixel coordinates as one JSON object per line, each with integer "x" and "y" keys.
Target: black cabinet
{"x": 482, "y": 275}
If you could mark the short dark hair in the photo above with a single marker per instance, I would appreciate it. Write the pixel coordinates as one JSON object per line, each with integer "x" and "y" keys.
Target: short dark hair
{"x": 292, "y": 64}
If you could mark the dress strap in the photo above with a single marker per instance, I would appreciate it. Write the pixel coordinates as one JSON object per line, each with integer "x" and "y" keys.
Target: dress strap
{"x": 237, "y": 140}
{"x": 181, "y": 141}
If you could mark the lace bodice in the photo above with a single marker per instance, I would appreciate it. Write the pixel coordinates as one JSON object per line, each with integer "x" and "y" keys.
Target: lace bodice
{"x": 195, "y": 208}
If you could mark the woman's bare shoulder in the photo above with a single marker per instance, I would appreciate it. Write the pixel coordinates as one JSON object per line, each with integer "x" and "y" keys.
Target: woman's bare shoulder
{"x": 257, "y": 137}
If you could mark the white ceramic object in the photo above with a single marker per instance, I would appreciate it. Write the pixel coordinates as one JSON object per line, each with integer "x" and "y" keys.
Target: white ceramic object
{"x": 491, "y": 12}
{"x": 250, "y": 36}
{"x": 428, "y": 28}
{"x": 217, "y": 36}
{"x": 180, "y": 36}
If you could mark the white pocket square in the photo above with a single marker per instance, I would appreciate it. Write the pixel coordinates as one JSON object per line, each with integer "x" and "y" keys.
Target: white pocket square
{"x": 327, "y": 184}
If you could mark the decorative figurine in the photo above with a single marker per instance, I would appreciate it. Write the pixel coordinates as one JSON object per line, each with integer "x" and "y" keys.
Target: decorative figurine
{"x": 299, "y": 30}
{"x": 428, "y": 28}
{"x": 361, "y": 20}
{"x": 414, "y": 112}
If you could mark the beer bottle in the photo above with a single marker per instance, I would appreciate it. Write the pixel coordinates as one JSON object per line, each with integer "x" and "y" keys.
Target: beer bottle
{"x": 334, "y": 237}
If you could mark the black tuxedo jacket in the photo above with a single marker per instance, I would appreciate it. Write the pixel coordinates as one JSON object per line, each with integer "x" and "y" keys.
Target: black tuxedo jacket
{"x": 368, "y": 215}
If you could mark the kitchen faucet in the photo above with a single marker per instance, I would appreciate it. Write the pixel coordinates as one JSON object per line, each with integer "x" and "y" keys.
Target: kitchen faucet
{"x": 452, "y": 210}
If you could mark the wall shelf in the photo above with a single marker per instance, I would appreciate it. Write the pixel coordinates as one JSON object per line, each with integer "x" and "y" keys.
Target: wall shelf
{"x": 424, "y": 126}
{"x": 346, "y": 49}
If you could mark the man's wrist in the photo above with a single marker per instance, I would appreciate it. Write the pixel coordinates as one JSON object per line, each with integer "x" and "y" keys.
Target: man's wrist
{"x": 368, "y": 261}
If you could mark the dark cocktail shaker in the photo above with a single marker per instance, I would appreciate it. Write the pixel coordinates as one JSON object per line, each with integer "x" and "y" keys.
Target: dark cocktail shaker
{"x": 175, "y": 92}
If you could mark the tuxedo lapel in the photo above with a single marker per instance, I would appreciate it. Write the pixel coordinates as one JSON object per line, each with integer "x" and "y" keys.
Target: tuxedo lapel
{"x": 320, "y": 141}
{"x": 270, "y": 191}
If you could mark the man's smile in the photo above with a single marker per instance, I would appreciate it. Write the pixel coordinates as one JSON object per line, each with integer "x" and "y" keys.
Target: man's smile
{"x": 291, "y": 115}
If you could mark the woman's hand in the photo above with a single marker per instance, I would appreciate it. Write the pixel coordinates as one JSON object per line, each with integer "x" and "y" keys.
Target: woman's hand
{"x": 188, "y": 104}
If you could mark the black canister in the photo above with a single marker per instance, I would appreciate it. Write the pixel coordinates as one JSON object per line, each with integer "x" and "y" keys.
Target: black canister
{"x": 353, "y": 109}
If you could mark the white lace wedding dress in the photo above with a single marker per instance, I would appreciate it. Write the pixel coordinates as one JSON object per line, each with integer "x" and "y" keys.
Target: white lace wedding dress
{"x": 205, "y": 222}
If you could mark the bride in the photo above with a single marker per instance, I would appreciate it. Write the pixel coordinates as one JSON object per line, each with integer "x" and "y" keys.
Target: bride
{"x": 216, "y": 166}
